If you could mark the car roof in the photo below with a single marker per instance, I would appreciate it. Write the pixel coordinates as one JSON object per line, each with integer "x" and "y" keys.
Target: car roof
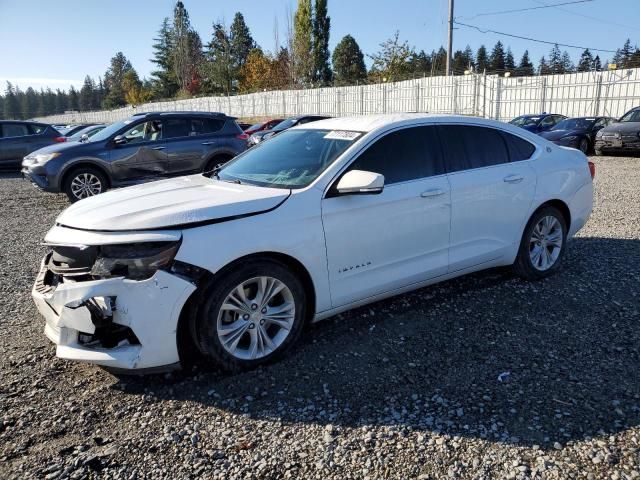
{"x": 381, "y": 122}
{"x": 181, "y": 113}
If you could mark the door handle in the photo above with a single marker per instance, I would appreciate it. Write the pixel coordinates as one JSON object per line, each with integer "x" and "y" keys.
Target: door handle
{"x": 513, "y": 178}
{"x": 209, "y": 143}
{"x": 158, "y": 148}
{"x": 434, "y": 192}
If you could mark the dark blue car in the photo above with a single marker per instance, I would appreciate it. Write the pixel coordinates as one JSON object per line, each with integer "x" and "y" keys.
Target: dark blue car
{"x": 144, "y": 147}
{"x": 537, "y": 123}
{"x": 579, "y": 132}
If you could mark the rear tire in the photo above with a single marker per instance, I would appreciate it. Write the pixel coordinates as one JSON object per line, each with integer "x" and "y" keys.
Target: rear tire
{"x": 250, "y": 315}
{"x": 584, "y": 146}
{"x": 543, "y": 244}
{"x": 84, "y": 182}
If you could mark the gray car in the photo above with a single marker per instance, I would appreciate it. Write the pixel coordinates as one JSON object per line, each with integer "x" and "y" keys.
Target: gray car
{"x": 18, "y": 139}
{"x": 144, "y": 147}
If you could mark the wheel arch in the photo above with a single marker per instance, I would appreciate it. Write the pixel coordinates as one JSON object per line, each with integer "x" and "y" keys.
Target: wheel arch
{"x": 64, "y": 175}
{"x": 560, "y": 205}
{"x": 221, "y": 153}
{"x": 187, "y": 344}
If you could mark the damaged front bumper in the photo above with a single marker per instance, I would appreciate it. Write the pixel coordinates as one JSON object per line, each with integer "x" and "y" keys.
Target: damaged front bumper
{"x": 114, "y": 322}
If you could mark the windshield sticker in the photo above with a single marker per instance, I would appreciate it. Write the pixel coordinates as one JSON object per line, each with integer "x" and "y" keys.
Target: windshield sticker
{"x": 341, "y": 135}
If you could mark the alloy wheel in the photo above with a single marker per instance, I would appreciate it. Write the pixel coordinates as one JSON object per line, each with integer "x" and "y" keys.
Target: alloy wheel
{"x": 545, "y": 244}
{"x": 85, "y": 185}
{"x": 256, "y": 318}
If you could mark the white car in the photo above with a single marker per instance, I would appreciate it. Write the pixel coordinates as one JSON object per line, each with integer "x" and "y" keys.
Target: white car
{"x": 319, "y": 219}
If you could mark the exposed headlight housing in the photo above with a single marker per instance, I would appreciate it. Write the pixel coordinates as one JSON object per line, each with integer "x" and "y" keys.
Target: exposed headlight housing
{"x": 570, "y": 138}
{"x": 40, "y": 158}
{"x": 136, "y": 261}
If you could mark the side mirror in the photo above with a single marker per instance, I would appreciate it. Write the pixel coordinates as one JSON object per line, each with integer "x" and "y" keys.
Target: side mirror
{"x": 120, "y": 140}
{"x": 359, "y": 182}
{"x": 84, "y": 137}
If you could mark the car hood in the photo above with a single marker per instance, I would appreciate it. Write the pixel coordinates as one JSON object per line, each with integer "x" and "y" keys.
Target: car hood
{"x": 57, "y": 148}
{"x": 558, "y": 134}
{"x": 622, "y": 127}
{"x": 173, "y": 203}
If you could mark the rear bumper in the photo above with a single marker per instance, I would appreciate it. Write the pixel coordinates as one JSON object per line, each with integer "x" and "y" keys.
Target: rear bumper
{"x": 77, "y": 315}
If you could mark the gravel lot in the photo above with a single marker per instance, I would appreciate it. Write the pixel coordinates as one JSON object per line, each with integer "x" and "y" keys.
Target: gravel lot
{"x": 405, "y": 388}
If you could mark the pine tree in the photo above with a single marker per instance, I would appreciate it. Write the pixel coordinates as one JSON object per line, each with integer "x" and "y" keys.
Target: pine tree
{"x": 219, "y": 66}
{"x": 586, "y": 62}
{"x": 11, "y": 105}
{"x": 29, "y": 105}
{"x": 597, "y": 65}
{"x": 321, "y": 28}
{"x": 113, "y": 78}
{"x": 87, "y": 95}
{"x": 509, "y": 61}
{"x": 420, "y": 64}
{"x": 1, "y": 107}
{"x": 497, "y": 58}
{"x": 74, "y": 100}
{"x": 567, "y": 63}
{"x": 625, "y": 54}
{"x": 482, "y": 59}
{"x": 634, "y": 60}
{"x": 525, "y": 68}
{"x": 302, "y": 43}
{"x": 439, "y": 61}
{"x": 241, "y": 42}
{"x": 543, "y": 67}
{"x": 61, "y": 101}
{"x": 555, "y": 60}
{"x": 163, "y": 79}
{"x": 181, "y": 46}
{"x": 348, "y": 62}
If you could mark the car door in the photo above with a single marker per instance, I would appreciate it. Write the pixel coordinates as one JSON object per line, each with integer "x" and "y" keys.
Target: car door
{"x": 379, "y": 243}
{"x": 189, "y": 142}
{"x": 14, "y": 144}
{"x": 142, "y": 155}
{"x": 490, "y": 194}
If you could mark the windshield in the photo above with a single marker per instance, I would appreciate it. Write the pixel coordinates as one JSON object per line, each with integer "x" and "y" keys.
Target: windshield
{"x": 524, "y": 121}
{"x": 89, "y": 131}
{"x": 574, "y": 124}
{"x": 288, "y": 123}
{"x": 110, "y": 130}
{"x": 632, "y": 116}
{"x": 292, "y": 159}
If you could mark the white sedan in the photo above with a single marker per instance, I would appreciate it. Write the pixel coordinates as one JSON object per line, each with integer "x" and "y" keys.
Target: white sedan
{"x": 320, "y": 219}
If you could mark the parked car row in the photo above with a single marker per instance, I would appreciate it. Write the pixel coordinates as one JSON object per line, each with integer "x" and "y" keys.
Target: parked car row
{"x": 598, "y": 134}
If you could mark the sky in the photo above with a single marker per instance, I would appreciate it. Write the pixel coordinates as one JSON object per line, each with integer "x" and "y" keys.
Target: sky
{"x": 46, "y": 43}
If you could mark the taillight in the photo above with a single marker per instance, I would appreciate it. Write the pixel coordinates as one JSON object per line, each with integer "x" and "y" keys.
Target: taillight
{"x": 60, "y": 139}
{"x": 592, "y": 170}
{"x": 242, "y": 136}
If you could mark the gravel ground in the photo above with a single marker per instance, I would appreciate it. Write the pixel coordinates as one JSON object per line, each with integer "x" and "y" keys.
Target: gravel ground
{"x": 404, "y": 388}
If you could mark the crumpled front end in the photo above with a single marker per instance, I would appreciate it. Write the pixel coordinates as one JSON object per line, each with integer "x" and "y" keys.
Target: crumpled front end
{"x": 116, "y": 322}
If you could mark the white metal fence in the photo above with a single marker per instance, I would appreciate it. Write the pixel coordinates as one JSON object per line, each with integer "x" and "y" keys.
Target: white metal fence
{"x": 579, "y": 94}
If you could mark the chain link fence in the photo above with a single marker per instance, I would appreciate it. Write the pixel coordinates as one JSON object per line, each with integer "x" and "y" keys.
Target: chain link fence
{"x": 609, "y": 93}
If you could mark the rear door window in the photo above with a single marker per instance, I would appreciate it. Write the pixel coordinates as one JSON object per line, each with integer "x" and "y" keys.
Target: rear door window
{"x": 37, "y": 128}
{"x": 469, "y": 146}
{"x": 14, "y": 130}
{"x": 175, "y": 128}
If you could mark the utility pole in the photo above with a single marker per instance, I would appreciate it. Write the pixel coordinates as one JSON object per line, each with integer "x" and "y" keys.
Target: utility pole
{"x": 450, "y": 41}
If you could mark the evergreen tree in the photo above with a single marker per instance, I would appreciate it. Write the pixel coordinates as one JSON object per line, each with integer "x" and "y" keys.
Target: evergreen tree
{"x": 1, "y": 107}
{"x": 439, "y": 61}
{"x": 634, "y": 60}
{"x": 61, "y": 101}
{"x": 241, "y": 42}
{"x": 219, "y": 67}
{"x": 555, "y": 60}
{"x": 113, "y": 78}
{"x": 497, "y": 59}
{"x": 49, "y": 102}
{"x": 181, "y": 57}
{"x": 11, "y": 105}
{"x": 87, "y": 95}
{"x": 567, "y": 63}
{"x": 597, "y": 65}
{"x": 321, "y": 28}
{"x": 163, "y": 79}
{"x": 525, "y": 68}
{"x": 348, "y": 62}
{"x": 302, "y": 43}
{"x": 74, "y": 100}
{"x": 42, "y": 108}
{"x": 29, "y": 105}
{"x": 625, "y": 54}
{"x": 421, "y": 64}
{"x": 543, "y": 67}
{"x": 482, "y": 59}
{"x": 586, "y": 62}
{"x": 509, "y": 62}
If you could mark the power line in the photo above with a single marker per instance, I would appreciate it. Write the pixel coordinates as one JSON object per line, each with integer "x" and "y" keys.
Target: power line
{"x": 596, "y": 19}
{"x": 501, "y": 12}
{"x": 481, "y": 30}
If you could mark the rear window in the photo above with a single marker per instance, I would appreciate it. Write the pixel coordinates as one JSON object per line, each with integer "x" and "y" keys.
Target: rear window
{"x": 37, "y": 128}
{"x": 468, "y": 147}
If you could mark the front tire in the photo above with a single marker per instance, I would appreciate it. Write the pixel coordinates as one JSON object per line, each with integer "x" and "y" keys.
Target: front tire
{"x": 250, "y": 315}
{"x": 584, "y": 146}
{"x": 84, "y": 182}
{"x": 543, "y": 244}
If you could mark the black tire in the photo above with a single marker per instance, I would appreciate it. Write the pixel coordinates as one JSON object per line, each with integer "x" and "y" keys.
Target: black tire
{"x": 215, "y": 162}
{"x": 204, "y": 327}
{"x": 523, "y": 266}
{"x": 69, "y": 187}
{"x": 584, "y": 146}
{"x": 598, "y": 152}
